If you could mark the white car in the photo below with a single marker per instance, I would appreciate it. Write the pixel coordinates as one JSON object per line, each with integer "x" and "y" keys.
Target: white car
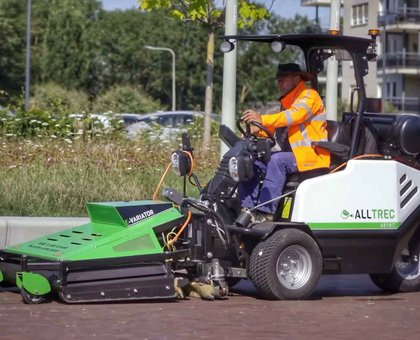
{"x": 168, "y": 123}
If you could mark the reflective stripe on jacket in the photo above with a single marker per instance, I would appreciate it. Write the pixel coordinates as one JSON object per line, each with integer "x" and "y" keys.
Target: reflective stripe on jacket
{"x": 305, "y": 117}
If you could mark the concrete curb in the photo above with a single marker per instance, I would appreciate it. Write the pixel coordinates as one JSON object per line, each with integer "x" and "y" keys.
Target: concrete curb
{"x": 15, "y": 230}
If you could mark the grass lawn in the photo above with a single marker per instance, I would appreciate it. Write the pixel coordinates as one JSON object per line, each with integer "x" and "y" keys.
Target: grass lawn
{"x": 56, "y": 177}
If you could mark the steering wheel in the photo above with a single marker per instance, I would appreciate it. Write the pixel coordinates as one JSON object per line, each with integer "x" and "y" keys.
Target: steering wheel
{"x": 248, "y": 133}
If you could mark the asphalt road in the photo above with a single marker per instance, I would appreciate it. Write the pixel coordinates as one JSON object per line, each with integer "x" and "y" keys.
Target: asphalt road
{"x": 343, "y": 307}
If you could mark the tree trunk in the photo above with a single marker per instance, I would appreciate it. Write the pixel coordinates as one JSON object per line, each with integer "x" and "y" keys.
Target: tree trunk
{"x": 209, "y": 92}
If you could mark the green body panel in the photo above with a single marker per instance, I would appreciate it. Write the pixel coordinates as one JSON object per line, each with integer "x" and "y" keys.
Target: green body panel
{"x": 33, "y": 283}
{"x": 1, "y": 276}
{"x": 355, "y": 226}
{"x": 117, "y": 229}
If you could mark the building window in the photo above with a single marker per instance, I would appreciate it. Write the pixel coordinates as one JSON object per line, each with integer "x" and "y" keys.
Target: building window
{"x": 391, "y": 89}
{"x": 359, "y": 14}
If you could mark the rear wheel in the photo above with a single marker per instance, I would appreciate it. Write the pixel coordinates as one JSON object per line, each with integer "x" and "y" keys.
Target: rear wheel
{"x": 404, "y": 277}
{"x": 287, "y": 265}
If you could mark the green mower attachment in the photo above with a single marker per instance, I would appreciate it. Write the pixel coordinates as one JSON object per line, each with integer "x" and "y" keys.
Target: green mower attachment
{"x": 118, "y": 255}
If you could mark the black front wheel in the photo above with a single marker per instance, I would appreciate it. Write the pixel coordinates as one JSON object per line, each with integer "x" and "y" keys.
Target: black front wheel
{"x": 404, "y": 277}
{"x": 31, "y": 299}
{"x": 287, "y": 266}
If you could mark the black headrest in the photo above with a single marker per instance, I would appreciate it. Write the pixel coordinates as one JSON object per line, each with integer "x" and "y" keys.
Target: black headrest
{"x": 406, "y": 132}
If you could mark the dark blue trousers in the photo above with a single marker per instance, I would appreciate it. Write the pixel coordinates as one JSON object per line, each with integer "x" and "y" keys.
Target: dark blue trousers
{"x": 274, "y": 174}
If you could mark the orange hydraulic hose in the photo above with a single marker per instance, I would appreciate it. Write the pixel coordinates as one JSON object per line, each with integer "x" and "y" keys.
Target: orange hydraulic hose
{"x": 161, "y": 181}
{"x": 357, "y": 157}
{"x": 181, "y": 229}
{"x": 192, "y": 162}
{"x": 166, "y": 171}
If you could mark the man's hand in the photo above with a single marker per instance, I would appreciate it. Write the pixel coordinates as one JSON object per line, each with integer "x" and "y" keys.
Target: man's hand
{"x": 249, "y": 116}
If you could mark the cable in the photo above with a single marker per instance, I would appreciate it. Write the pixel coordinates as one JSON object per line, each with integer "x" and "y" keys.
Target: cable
{"x": 224, "y": 239}
{"x": 191, "y": 160}
{"x": 161, "y": 181}
{"x": 166, "y": 171}
{"x": 168, "y": 243}
{"x": 171, "y": 242}
{"x": 357, "y": 157}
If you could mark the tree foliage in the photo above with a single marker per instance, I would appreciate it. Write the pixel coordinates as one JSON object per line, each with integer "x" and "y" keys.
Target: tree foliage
{"x": 210, "y": 17}
{"x": 79, "y": 46}
{"x": 68, "y": 47}
{"x": 256, "y": 84}
{"x": 206, "y": 12}
{"x": 12, "y": 44}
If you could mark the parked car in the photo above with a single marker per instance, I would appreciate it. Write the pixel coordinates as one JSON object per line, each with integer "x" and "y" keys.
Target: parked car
{"x": 106, "y": 118}
{"x": 131, "y": 118}
{"x": 170, "y": 122}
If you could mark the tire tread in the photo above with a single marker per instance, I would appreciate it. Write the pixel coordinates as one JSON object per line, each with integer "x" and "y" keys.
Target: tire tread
{"x": 261, "y": 267}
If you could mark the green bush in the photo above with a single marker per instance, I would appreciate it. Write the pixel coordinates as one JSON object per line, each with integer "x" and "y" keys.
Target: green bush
{"x": 44, "y": 124}
{"x": 126, "y": 98}
{"x": 35, "y": 123}
{"x": 58, "y": 100}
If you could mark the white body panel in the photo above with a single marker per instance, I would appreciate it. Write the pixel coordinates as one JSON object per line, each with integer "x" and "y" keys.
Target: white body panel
{"x": 367, "y": 193}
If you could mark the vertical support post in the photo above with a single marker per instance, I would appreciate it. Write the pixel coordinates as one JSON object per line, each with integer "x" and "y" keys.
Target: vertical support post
{"x": 332, "y": 68}
{"x": 173, "y": 80}
{"x": 385, "y": 94}
{"x": 229, "y": 72}
{"x": 171, "y": 51}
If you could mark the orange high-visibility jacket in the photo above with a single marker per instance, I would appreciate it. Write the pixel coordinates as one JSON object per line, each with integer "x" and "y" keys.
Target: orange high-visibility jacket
{"x": 305, "y": 117}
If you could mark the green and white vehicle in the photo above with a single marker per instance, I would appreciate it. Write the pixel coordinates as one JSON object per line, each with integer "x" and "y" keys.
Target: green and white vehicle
{"x": 362, "y": 215}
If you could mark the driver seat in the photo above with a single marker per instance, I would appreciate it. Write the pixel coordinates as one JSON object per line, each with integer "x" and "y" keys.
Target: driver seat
{"x": 338, "y": 144}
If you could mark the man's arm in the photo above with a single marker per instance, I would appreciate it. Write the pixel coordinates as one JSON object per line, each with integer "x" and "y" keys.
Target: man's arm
{"x": 300, "y": 111}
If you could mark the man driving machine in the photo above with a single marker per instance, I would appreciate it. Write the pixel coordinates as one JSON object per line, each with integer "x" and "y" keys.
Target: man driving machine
{"x": 303, "y": 115}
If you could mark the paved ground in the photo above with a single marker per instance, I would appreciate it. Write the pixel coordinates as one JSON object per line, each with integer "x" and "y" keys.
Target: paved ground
{"x": 343, "y": 307}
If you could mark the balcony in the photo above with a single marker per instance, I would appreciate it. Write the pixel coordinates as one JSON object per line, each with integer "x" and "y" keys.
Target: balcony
{"x": 403, "y": 17}
{"x": 316, "y": 2}
{"x": 403, "y": 62}
{"x": 405, "y": 105}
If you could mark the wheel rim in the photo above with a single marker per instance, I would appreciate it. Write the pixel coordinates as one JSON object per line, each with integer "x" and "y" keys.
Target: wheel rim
{"x": 31, "y": 298}
{"x": 294, "y": 267}
{"x": 408, "y": 269}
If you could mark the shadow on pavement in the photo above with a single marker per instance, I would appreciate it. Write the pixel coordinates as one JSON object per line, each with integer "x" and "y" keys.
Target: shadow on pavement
{"x": 330, "y": 286}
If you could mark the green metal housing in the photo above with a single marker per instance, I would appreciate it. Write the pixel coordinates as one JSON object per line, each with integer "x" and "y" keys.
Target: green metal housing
{"x": 117, "y": 229}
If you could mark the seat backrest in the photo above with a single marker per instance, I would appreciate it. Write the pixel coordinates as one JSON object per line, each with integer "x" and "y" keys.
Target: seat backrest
{"x": 368, "y": 139}
{"x": 338, "y": 132}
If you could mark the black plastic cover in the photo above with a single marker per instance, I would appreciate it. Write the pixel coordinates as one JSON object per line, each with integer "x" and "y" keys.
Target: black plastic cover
{"x": 406, "y": 132}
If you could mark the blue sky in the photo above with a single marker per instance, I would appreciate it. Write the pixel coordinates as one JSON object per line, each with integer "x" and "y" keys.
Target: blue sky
{"x": 285, "y": 8}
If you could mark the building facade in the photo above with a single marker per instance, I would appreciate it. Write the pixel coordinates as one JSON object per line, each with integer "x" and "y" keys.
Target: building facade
{"x": 395, "y": 77}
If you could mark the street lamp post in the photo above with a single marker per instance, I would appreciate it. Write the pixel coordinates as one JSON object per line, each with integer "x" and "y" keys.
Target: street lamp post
{"x": 173, "y": 70}
{"x": 332, "y": 67}
{"x": 28, "y": 56}
{"x": 229, "y": 72}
